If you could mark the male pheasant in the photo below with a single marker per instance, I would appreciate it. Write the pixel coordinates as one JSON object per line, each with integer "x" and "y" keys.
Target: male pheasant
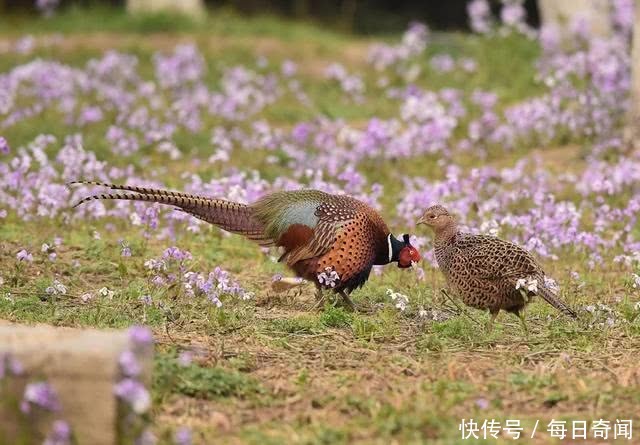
{"x": 488, "y": 272}
{"x": 331, "y": 240}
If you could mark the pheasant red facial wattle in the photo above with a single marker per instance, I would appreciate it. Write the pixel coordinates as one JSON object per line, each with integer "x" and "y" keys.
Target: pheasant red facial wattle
{"x": 331, "y": 240}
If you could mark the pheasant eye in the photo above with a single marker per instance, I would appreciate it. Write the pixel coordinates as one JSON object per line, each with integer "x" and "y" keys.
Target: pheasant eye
{"x": 432, "y": 216}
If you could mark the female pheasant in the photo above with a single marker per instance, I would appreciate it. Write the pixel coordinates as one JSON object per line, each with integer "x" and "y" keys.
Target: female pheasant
{"x": 331, "y": 240}
{"x": 488, "y": 272}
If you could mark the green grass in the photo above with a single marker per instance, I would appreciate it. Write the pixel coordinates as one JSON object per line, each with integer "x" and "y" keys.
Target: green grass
{"x": 201, "y": 382}
{"x": 219, "y": 21}
{"x": 271, "y": 370}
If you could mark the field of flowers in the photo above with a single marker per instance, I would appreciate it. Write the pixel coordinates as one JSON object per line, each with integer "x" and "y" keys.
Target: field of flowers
{"x": 517, "y": 130}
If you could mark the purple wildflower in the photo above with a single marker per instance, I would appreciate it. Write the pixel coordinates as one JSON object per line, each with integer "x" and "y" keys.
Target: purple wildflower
{"x": 125, "y": 250}
{"x": 185, "y": 358}
{"x": 512, "y": 13}
{"x": 23, "y": 255}
{"x": 134, "y": 394}
{"x": 60, "y": 434}
{"x": 4, "y": 146}
{"x": 182, "y": 436}
{"x": 146, "y": 299}
{"x": 146, "y": 438}
{"x": 479, "y": 16}
{"x": 41, "y": 395}
{"x": 289, "y": 68}
{"x": 47, "y": 7}
{"x": 141, "y": 337}
{"x": 129, "y": 364}
{"x": 482, "y": 403}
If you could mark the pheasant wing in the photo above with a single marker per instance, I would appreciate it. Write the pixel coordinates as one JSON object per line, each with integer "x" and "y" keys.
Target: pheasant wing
{"x": 332, "y": 217}
{"x": 494, "y": 259}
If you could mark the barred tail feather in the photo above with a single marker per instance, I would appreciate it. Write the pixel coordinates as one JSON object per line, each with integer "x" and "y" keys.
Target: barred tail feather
{"x": 230, "y": 216}
{"x": 134, "y": 188}
{"x": 556, "y": 302}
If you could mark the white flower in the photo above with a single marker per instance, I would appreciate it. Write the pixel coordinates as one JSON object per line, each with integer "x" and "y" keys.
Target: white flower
{"x": 56, "y": 288}
{"x": 401, "y": 300}
{"x": 153, "y": 264}
{"x": 61, "y": 288}
{"x": 45, "y": 247}
{"x": 96, "y": 235}
{"x": 329, "y": 277}
{"x": 135, "y": 219}
{"x": 106, "y": 293}
{"x": 551, "y": 284}
{"x": 604, "y": 308}
{"x": 490, "y": 227}
{"x": 575, "y": 275}
{"x": 86, "y": 297}
{"x": 591, "y": 308}
{"x": 636, "y": 281}
{"x": 529, "y": 284}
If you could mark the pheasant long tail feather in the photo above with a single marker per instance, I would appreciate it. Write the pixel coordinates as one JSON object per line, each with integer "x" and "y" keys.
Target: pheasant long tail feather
{"x": 230, "y": 216}
{"x": 132, "y": 188}
{"x": 556, "y": 302}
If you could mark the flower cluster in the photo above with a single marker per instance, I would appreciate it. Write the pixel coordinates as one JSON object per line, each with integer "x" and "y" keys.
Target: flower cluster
{"x": 603, "y": 316}
{"x": 401, "y": 301}
{"x": 349, "y": 83}
{"x": 56, "y": 288}
{"x": 60, "y": 434}
{"x": 130, "y": 389}
{"x": 175, "y": 267}
{"x": 479, "y": 13}
{"x": 636, "y": 281}
{"x": 329, "y": 277}
{"x": 413, "y": 43}
{"x": 41, "y": 395}
{"x": 47, "y": 7}
{"x": 528, "y": 284}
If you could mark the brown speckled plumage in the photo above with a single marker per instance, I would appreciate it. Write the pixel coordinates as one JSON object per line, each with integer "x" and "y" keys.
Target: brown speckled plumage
{"x": 484, "y": 270}
{"x": 316, "y": 230}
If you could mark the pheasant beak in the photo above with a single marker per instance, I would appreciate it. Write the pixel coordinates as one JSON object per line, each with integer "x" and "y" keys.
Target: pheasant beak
{"x": 421, "y": 221}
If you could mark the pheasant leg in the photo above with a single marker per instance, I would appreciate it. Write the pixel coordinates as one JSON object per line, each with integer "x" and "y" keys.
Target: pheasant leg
{"x": 319, "y": 296}
{"x": 494, "y": 315}
{"x": 524, "y": 323}
{"x": 347, "y": 301}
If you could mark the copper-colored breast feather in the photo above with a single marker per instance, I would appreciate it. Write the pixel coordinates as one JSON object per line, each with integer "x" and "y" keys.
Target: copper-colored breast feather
{"x": 353, "y": 252}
